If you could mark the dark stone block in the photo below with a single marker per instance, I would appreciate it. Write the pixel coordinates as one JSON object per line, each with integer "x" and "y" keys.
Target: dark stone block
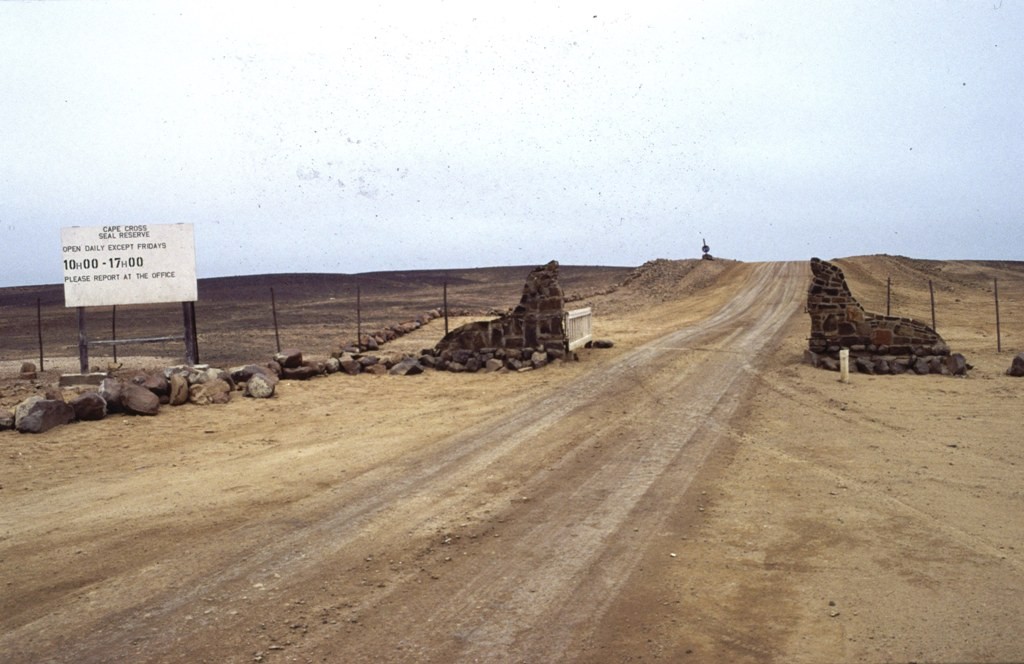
{"x": 1016, "y": 366}
{"x": 556, "y": 354}
{"x": 261, "y": 385}
{"x": 829, "y": 363}
{"x": 38, "y": 415}
{"x": 155, "y": 383}
{"x": 351, "y": 366}
{"x": 137, "y": 400}
{"x": 303, "y": 372}
{"x": 882, "y": 337}
{"x": 407, "y": 367}
{"x": 865, "y": 365}
{"x": 110, "y": 390}
{"x": 289, "y": 359}
{"x": 956, "y": 364}
{"x": 89, "y": 407}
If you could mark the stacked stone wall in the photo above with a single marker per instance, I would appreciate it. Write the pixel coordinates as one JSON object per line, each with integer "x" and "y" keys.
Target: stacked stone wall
{"x": 536, "y": 322}
{"x": 877, "y": 343}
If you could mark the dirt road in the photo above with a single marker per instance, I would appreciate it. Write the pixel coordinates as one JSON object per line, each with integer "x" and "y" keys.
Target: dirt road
{"x": 361, "y": 522}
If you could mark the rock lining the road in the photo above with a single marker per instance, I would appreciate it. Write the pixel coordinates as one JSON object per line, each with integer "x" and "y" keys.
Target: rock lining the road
{"x": 529, "y": 337}
{"x": 201, "y": 385}
{"x": 1016, "y": 366}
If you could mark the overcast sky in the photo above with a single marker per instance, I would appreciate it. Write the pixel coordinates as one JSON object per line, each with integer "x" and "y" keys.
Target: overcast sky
{"x": 309, "y": 137}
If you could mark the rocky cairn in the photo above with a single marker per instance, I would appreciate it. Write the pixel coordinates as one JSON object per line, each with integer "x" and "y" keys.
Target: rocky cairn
{"x": 878, "y": 344}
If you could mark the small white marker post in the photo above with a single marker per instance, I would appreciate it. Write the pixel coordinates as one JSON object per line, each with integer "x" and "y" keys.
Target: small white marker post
{"x": 844, "y": 365}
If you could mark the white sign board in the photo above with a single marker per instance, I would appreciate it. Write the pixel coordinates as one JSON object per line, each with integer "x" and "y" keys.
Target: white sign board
{"x": 136, "y": 264}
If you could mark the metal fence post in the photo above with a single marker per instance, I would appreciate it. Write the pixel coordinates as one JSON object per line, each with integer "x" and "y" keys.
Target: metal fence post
{"x": 999, "y": 338}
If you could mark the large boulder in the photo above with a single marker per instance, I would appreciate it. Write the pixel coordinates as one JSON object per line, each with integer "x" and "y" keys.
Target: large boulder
{"x": 155, "y": 383}
{"x": 89, "y": 406}
{"x": 261, "y": 385}
{"x": 242, "y": 374}
{"x": 302, "y": 372}
{"x": 956, "y": 364}
{"x": 110, "y": 390}
{"x": 211, "y": 374}
{"x": 177, "y": 389}
{"x": 407, "y": 367}
{"x": 349, "y": 365}
{"x": 36, "y": 414}
{"x": 290, "y": 358}
{"x": 368, "y": 360}
{"x": 1017, "y": 366}
{"x": 137, "y": 400}
{"x": 210, "y": 392}
{"x": 193, "y": 373}
{"x": 22, "y": 408}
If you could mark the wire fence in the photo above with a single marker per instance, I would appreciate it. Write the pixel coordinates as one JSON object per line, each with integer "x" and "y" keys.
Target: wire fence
{"x": 237, "y": 322}
{"x": 989, "y": 307}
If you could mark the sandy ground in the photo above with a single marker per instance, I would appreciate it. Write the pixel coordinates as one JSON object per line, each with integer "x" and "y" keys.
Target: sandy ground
{"x": 693, "y": 494}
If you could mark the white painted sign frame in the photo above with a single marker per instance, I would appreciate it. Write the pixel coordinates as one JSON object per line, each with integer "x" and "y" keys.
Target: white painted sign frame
{"x": 128, "y": 264}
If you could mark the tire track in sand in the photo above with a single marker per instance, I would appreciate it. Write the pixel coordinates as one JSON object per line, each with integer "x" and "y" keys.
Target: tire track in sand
{"x": 564, "y": 553}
